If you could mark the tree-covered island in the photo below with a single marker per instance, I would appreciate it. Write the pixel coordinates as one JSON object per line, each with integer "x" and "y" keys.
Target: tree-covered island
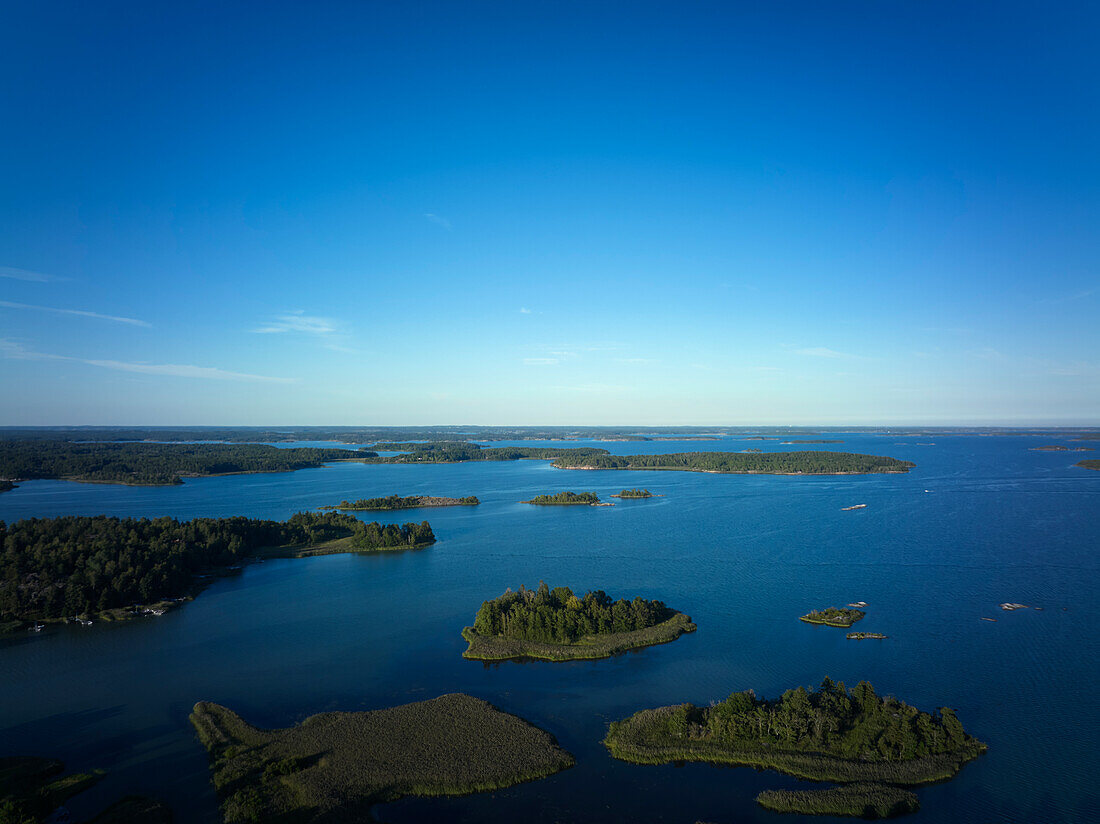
{"x": 1091, "y": 463}
{"x": 393, "y": 502}
{"x": 566, "y": 499}
{"x": 764, "y": 463}
{"x": 634, "y": 493}
{"x": 556, "y": 625}
{"x": 153, "y": 464}
{"x": 830, "y": 734}
{"x": 336, "y": 765}
{"x": 833, "y": 616}
{"x": 461, "y": 451}
{"x": 52, "y": 568}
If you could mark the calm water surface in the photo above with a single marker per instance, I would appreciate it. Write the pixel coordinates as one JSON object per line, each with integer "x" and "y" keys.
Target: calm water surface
{"x": 981, "y": 520}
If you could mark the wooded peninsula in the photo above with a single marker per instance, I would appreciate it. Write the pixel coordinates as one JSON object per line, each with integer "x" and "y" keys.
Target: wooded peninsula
{"x": 341, "y": 763}
{"x": 153, "y": 464}
{"x": 556, "y": 625}
{"x": 829, "y": 734}
{"x": 761, "y": 463}
{"x": 392, "y": 502}
{"x": 51, "y": 568}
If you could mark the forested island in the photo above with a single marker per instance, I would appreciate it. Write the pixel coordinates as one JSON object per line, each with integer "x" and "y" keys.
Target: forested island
{"x": 152, "y": 464}
{"x": 814, "y": 441}
{"x": 51, "y": 568}
{"x": 634, "y": 493}
{"x": 33, "y": 790}
{"x": 556, "y": 625}
{"x": 829, "y": 734}
{"x": 1091, "y": 463}
{"x": 392, "y": 502}
{"x": 1059, "y": 448}
{"x": 336, "y": 765}
{"x": 770, "y": 463}
{"x": 833, "y": 616}
{"x": 461, "y": 451}
{"x": 566, "y": 499}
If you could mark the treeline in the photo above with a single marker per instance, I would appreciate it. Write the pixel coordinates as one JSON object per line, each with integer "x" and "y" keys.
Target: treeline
{"x": 558, "y": 616}
{"x": 566, "y": 498}
{"x": 772, "y": 463}
{"x": 56, "y": 567}
{"x": 409, "y": 502}
{"x": 152, "y": 463}
{"x": 458, "y": 451}
{"x": 851, "y": 724}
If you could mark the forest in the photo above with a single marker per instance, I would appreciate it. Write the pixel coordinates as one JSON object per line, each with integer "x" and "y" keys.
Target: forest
{"x": 566, "y": 499}
{"x": 6, "y": 486}
{"x": 558, "y": 616}
{"x": 56, "y": 567}
{"x": 833, "y": 720}
{"x": 152, "y": 463}
{"x": 769, "y": 463}
{"x": 634, "y": 493}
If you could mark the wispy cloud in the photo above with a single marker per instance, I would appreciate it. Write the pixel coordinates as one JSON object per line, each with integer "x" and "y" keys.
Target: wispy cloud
{"x": 637, "y": 361}
{"x": 822, "y": 352}
{"x": 438, "y": 220}
{"x": 540, "y": 361}
{"x": 78, "y": 312}
{"x": 16, "y": 351}
{"x": 299, "y": 322}
{"x": 523, "y": 310}
{"x": 1084, "y": 293}
{"x": 24, "y": 274}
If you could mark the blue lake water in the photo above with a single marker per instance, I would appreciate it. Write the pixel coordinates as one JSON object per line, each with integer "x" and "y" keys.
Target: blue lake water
{"x": 980, "y": 521}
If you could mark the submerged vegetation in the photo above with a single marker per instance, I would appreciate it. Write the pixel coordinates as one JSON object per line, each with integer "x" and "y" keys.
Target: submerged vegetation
{"x": 32, "y": 789}
{"x": 55, "y": 567}
{"x": 634, "y": 493}
{"x": 555, "y": 624}
{"x": 152, "y": 463}
{"x": 566, "y": 499}
{"x": 861, "y": 800}
{"x": 834, "y": 616}
{"x": 334, "y": 766}
{"x": 392, "y": 502}
{"x": 769, "y": 463}
{"x": 831, "y": 734}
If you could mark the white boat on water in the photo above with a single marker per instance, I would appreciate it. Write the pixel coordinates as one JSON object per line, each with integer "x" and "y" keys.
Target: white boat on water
{"x": 36, "y": 628}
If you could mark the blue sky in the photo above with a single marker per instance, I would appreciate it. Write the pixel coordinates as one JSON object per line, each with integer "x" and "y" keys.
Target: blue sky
{"x": 549, "y": 213}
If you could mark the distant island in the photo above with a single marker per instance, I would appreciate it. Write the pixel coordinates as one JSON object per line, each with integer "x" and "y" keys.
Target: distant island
{"x": 634, "y": 493}
{"x": 831, "y": 734}
{"x": 461, "y": 452}
{"x": 772, "y": 463}
{"x": 833, "y": 616}
{"x": 567, "y": 499}
{"x": 817, "y": 441}
{"x": 556, "y": 625}
{"x": 1059, "y": 448}
{"x": 48, "y": 566}
{"x": 334, "y": 766}
{"x": 864, "y": 636}
{"x": 32, "y": 790}
{"x": 153, "y": 464}
{"x": 858, "y": 800}
{"x": 392, "y": 502}
{"x": 1091, "y": 463}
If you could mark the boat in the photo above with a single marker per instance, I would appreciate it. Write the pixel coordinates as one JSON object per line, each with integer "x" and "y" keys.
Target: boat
{"x": 36, "y": 628}
{"x": 856, "y": 506}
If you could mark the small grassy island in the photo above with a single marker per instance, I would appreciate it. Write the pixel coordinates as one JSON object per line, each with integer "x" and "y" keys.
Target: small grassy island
{"x": 859, "y": 800}
{"x": 32, "y": 789}
{"x": 763, "y": 463}
{"x": 829, "y": 734}
{"x": 116, "y": 568}
{"x": 834, "y": 616}
{"x": 333, "y": 766}
{"x": 567, "y": 499}
{"x": 392, "y": 502}
{"x": 556, "y": 625}
{"x": 1091, "y": 463}
{"x": 865, "y": 636}
{"x": 634, "y": 493}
